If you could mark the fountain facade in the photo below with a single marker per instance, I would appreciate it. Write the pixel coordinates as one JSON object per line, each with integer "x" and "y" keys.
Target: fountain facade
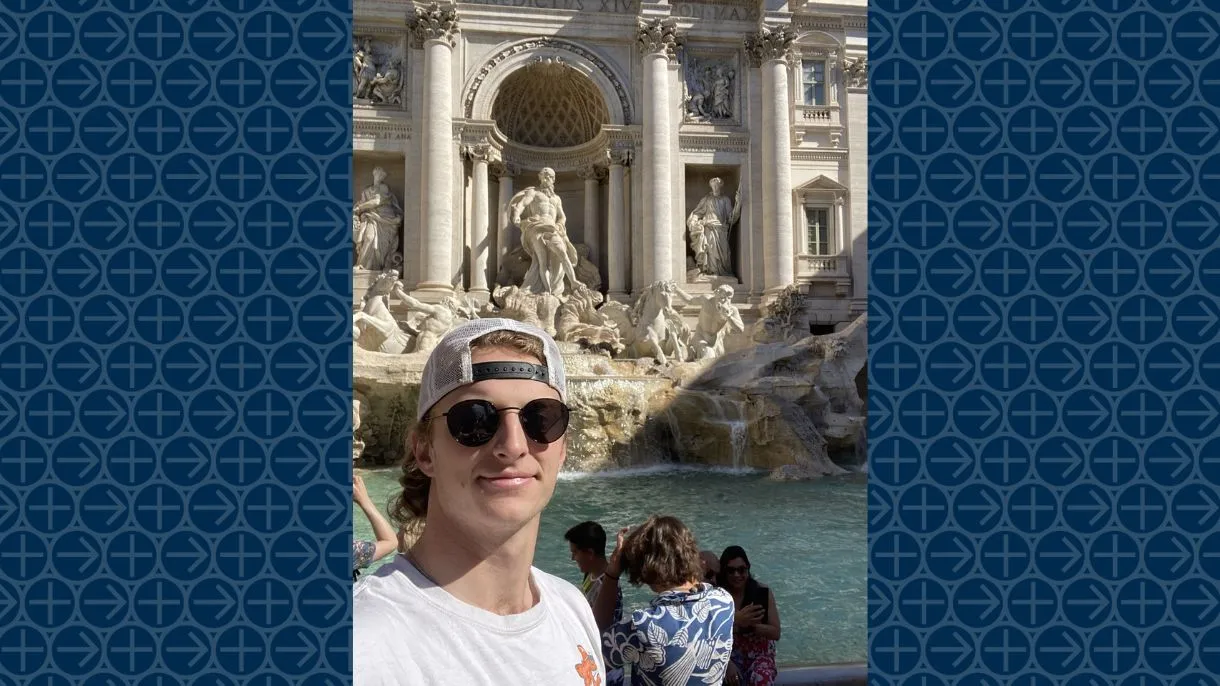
{"x": 611, "y": 175}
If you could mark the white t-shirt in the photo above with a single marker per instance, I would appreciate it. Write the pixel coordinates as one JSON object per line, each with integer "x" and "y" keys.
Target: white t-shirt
{"x": 409, "y": 631}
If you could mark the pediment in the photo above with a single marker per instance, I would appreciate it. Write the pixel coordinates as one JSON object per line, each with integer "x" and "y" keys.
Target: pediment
{"x": 821, "y": 183}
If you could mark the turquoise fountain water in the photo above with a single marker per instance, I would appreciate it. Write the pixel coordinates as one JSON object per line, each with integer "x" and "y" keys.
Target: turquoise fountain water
{"x": 807, "y": 540}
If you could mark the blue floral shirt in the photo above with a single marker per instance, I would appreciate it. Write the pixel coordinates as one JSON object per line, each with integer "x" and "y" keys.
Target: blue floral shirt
{"x": 680, "y": 639}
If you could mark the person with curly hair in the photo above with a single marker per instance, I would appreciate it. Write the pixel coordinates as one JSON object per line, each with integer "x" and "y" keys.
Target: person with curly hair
{"x": 464, "y": 604}
{"x": 685, "y": 635}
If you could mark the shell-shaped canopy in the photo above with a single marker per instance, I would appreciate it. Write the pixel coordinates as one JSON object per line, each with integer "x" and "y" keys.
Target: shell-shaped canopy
{"x": 549, "y": 105}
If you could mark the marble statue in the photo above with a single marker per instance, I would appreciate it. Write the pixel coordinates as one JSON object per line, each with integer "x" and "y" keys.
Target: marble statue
{"x": 373, "y": 326}
{"x": 579, "y": 321}
{"x": 387, "y": 86}
{"x": 438, "y": 319}
{"x": 722, "y": 89}
{"x": 363, "y": 67}
{"x": 538, "y": 212}
{"x": 376, "y": 219}
{"x": 709, "y": 90}
{"x": 700, "y": 93}
{"x": 517, "y": 304}
{"x": 379, "y": 84}
{"x": 717, "y": 318}
{"x": 660, "y": 332}
{"x": 708, "y": 229}
{"x": 856, "y": 72}
{"x": 359, "y": 408}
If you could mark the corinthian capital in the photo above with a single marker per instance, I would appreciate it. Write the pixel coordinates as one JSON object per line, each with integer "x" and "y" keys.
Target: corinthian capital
{"x": 433, "y": 22}
{"x": 773, "y": 43}
{"x": 480, "y": 152}
{"x": 592, "y": 173}
{"x": 658, "y": 36}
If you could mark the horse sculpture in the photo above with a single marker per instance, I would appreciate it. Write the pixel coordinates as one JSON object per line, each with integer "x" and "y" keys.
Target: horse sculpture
{"x": 659, "y": 329}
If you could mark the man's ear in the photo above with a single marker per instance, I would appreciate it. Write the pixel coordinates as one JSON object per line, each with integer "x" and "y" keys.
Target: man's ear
{"x": 423, "y": 456}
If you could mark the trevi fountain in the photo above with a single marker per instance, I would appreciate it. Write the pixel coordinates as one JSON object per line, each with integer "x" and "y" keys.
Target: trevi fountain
{"x": 676, "y": 192}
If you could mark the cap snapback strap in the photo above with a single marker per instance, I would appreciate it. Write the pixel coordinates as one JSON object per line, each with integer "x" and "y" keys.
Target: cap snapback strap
{"x": 508, "y": 370}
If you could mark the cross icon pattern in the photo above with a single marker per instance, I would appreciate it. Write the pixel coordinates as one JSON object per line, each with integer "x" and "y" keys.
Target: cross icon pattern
{"x": 143, "y": 505}
{"x": 1044, "y": 498}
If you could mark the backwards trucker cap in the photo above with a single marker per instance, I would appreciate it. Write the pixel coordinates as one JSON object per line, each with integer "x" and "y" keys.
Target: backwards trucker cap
{"x": 449, "y": 366}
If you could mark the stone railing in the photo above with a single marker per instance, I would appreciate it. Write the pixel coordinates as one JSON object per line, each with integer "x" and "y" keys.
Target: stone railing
{"x": 821, "y": 265}
{"x": 817, "y": 115}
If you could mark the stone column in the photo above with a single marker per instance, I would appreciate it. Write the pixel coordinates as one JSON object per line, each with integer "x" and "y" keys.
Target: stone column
{"x": 593, "y": 177}
{"x": 435, "y": 27}
{"x": 616, "y": 241}
{"x": 770, "y": 48}
{"x": 658, "y": 41}
{"x": 844, "y": 241}
{"x": 480, "y": 249}
{"x": 856, "y": 89}
{"x": 504, "y": 176}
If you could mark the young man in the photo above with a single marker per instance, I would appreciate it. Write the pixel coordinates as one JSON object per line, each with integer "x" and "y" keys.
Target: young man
{"x": 587, "y": 543}
{"x": 464, "y": 606}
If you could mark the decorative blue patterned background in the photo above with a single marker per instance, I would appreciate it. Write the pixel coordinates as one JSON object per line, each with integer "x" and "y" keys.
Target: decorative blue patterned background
{"x": 1045, "y": 342}
{"x": 175, "y": 446}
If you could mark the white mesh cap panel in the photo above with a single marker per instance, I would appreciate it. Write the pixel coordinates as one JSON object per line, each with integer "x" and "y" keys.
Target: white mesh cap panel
{"x": 448, "y": 367}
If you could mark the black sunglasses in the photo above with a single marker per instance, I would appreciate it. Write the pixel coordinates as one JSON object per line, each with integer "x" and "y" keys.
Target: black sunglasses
{"x": 731, "y": 569}
{"x": 473, "y": 423}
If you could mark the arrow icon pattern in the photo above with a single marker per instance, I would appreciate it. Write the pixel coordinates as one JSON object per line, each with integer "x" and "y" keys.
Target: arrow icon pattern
{"x": 1044, "y": 403}
{"x": 129, "y": 349}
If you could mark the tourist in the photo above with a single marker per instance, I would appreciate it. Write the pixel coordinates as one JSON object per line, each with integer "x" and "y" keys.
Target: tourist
{"x": 364, "y": 553}
{"x": 587, "y": 544}
{"x": 464, "y": 605}
{"x": 756, "y": 622}
{"x": 711, "y": 566}
{"x": 685, "y": 635}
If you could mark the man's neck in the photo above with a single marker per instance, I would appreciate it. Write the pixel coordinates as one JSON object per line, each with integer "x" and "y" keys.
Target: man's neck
{"x": 598, "y": 567}
{"x": 491, "y": 574}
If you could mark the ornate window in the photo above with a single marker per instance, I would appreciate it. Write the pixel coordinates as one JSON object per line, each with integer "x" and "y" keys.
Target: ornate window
{"x": 821, "y": 238}
{"x": 817, "y": 230}
{"x": 813, "y": 81}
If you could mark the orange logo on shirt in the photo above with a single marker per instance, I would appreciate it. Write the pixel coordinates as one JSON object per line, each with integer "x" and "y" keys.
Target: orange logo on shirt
{"x": 587, "y": 669}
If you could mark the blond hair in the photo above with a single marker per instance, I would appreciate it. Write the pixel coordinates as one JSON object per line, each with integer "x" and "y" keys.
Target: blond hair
{"x": 409, "y": 509}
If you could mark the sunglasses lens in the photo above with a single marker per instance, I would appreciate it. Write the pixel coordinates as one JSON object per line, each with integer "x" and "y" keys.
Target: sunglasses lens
{"x": 544, "y": 420}
{"x": 473, "y": 422}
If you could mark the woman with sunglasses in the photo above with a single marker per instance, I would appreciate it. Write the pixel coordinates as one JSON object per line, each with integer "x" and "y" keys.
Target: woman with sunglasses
{"x": 684, "y": 636}
{"x": 464, "y": 605}
{"x": 755, "y": 624}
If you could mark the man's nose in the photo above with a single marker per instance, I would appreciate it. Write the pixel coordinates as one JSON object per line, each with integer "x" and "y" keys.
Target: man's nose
{"x": 510, "y": 442}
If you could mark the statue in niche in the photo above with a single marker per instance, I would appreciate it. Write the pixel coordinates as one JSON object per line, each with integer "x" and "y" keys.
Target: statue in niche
{"x": 717, "y": 318}
{"x": 373, "y": 326}
{"x": 376, "y": 218}
{"x": 659, "y": 329}
{"x": 708, "y": 230}
{"x": 538, "y": 212}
